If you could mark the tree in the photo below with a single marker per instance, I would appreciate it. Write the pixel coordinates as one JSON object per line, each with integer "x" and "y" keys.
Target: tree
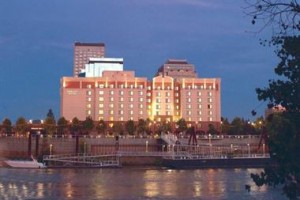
{"x": 130, "y": 127}
{"x": 282, "y": 15}
{"x": 50, "y": 114}
{"x": 225, "y": 126}
{"x": 285, "y": 91}
{"x": 21, "y": 125}
{"x": 101, "y": 127}
{"x": 75, "y": 127}
{"x": 142, "y": 126}
{"x": 182, "y": 125}
{"x": 88, "y": 125}
{"x": 236, "y": 126}
{"x": 283, "y": 129}
{"x": 7, "y": 125}
{"x": 164, "y": 127}
{"x": 118, "y": 128}
{"x": 49, "y": 125}
{"x": 62, "y": 124}
{"x": 212, "y": 130}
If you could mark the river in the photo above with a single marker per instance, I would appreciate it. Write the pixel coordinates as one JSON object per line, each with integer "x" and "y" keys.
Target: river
{"x": 140, "y": 183}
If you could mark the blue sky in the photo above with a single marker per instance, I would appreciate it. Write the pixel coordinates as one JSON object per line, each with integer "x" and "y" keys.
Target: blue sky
{"x": 37, "y": 37}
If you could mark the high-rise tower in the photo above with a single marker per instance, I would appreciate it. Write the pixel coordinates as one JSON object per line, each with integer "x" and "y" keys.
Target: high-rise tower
{"x": 84, "y": 51}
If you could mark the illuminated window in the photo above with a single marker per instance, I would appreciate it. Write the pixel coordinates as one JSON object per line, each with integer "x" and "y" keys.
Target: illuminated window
{"x": 89, "y": 105}
{"x": 121, "y": 99}
{"x": 101, "y": 112}
{"x": 130, "y": 105}
{"x": 141, "y": 99}
{"x": 101, "y": 92}
{"x": 89, "y": 99}
{"x": 131, "y": 99}
{"x": 111, "y": 92}
{"x": 121, "y": 92}
{"x": 101, "y": 99}
{"x": 111, "y": 105}
{"x": 141, "y": 93}
{"x": 101, "y": 105}
{"x": 131, "y": 93}
{"x": 111, "y": 99}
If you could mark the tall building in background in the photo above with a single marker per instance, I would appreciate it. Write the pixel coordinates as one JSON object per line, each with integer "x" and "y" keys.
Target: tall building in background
{"x": 83, "y": 52}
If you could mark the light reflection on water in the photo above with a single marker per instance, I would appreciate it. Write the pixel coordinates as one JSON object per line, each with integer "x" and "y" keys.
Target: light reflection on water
{"x": 130, "y": 183}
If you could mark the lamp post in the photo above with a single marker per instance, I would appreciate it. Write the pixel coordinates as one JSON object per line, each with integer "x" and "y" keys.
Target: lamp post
{"x": 50, "y": 149}
{"x": 248, "y": 149}
{"x": 147, "y": 146}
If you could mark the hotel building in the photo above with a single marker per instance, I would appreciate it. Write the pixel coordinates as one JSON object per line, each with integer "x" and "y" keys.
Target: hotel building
{"x": 175, "y": 92}
{"x": 83, "y": 52}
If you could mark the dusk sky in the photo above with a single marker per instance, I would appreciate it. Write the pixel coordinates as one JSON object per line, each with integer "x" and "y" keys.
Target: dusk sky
{"x": 37, "y": 39}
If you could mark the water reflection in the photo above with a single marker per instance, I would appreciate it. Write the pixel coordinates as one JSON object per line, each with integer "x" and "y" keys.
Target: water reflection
{"x": 130, "y": 183}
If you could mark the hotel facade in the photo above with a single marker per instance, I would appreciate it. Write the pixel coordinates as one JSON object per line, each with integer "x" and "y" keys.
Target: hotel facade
{"x": 175, "y": 92}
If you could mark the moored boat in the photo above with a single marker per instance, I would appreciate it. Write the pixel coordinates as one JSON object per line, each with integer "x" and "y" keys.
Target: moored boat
{"x": 33, "y": 163}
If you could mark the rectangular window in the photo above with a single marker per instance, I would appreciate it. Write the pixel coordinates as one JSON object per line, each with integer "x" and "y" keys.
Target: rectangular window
{"x": 101, "y": 112}
{"x": 101, "y": 99}
{"x": 101, "y": 105}
{"x": 101, "y": 92}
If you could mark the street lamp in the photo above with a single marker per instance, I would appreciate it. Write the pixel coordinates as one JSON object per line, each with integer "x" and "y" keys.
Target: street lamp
{"x": 50, "y": 149}
{"x": 147, "y": 146}
{"x": 248, "y": 149}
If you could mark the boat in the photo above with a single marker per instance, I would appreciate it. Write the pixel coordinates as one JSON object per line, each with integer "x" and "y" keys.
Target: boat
{"x": 198, "y": 163}
{"x": 33, "y": 163}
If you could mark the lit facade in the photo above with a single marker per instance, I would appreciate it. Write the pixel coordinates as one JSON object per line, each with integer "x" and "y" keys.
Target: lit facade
{"x": 116, "y": 96}
{"x": 120, "y": 96}
{"x": 83, "y": 52}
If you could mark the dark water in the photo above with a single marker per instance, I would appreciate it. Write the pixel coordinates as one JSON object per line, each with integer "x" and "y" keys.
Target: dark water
{"x": 131, "y": 183}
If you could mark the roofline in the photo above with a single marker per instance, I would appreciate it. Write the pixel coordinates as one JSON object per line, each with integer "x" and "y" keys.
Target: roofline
{"x": 89, "y": 44}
